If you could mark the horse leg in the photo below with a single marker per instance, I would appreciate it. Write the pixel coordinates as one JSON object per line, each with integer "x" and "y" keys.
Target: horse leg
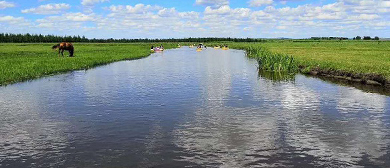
{"x": 59, "y": 51}
{"x": 71, "y": 52}
{"x": 62, "y": 52}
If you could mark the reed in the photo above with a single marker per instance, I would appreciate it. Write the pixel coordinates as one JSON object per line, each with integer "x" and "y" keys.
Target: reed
{"x": 267, "y": 60}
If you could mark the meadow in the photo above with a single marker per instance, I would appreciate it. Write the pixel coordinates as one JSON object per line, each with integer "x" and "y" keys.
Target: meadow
{"x": 367, "y": 60}
{"x": 21, "y": 62}
{"x": 353, "y": 60}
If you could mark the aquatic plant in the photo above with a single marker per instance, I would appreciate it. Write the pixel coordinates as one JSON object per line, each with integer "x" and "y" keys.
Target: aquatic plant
{"x": 270, "y": 61}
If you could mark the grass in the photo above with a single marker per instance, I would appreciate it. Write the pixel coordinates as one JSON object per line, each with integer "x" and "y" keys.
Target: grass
{"x": 21, "y": 62}
{"x": 355, "y": 57}
{"x": 358, "y": 59}
{"x": 270, "y": 61}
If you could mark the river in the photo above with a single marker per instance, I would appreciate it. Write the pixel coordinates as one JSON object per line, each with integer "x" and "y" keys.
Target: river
{"x": 196, "y": 109}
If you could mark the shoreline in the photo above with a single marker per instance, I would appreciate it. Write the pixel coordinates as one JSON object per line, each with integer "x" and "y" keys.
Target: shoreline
{"x": 311, "y": 67}
{"x": 361, "y": 78}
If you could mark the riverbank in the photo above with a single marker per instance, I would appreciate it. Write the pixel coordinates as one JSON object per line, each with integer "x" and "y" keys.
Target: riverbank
{"x": 22, "y": 62}
{"x": 362, "y": 62}
{"x": 356, "y": 61}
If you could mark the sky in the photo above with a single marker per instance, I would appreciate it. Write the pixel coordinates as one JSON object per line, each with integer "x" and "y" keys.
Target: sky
{"x": 197, "y": 18}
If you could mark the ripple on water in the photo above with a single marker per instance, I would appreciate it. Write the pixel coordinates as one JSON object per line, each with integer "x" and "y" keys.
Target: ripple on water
{"x": 196, "y": 109}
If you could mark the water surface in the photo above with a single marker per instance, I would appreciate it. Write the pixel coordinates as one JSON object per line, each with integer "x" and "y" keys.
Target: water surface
{"x": 185, "y": 108}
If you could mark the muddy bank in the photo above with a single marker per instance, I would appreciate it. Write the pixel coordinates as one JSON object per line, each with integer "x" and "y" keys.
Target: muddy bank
{"x": 366, "y": 79}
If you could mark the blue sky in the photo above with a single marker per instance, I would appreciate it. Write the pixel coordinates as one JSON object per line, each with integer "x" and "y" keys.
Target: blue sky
{"x": 197, "y": 18}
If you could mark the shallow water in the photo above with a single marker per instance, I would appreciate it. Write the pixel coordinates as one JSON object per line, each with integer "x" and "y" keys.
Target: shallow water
{"x": 185, "y": 108}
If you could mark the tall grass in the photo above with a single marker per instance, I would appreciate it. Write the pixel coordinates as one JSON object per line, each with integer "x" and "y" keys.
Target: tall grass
{"x": 267, "y": 60}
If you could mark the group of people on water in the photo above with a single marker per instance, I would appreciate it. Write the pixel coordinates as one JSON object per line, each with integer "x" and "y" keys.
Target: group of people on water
{"x": 200, "y": 45}
{"x": 160, "y": 48}
{"x": 221, "y": 46}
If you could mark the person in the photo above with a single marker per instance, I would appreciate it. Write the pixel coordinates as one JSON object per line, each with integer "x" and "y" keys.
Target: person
{"x": 161, "y": 46}
{"x": 152, "y": 47}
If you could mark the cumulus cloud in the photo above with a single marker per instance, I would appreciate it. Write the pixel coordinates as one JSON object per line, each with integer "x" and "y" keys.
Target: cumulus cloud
{"x": 138, "y": 8}
{"x": 48, "y": 9}
{"x": 10, "y": 19}
{"x": 5, "y": 4}
{"x": 212, "y": 3}
{"x": 258, "y": 3}
{"x": 92, "y": 2}
{"x": 13, "y": 23}
{"x": 340, "y": 18}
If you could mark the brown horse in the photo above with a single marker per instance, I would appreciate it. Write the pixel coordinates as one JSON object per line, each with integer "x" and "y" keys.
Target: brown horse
{"x": 64, "y": 46}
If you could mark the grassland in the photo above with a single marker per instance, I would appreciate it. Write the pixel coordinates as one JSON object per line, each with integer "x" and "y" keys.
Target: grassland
{"x": 354, "y": 60}
{"x": 21, "y": 62}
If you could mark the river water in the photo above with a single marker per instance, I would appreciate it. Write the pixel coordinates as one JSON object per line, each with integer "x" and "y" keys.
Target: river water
{"x": 196, "y": 109}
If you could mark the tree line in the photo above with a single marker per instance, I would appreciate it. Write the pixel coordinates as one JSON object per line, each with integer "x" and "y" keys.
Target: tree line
{"x": 39, "y": 38}
{"x": 366, "y": 38}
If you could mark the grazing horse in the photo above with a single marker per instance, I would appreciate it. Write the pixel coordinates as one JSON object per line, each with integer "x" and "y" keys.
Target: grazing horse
{"x": 64, "y": 46}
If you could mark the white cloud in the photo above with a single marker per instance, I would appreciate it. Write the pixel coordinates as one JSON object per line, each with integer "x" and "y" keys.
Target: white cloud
{"x": 219, "y": 11}
{"x": 138, "y": 8}
{"x": 341, "y": 18}
{"x": 48, "y": 9}
{"x": 365, "y": 17}
{"x": 212, "y": 3}
{"x": 92, "y": 2}
{"x": 5, "y": 4}
{"x": 10, "y": 19}
{"x": 258, "y": 3}
{"x": 13, "y": 23}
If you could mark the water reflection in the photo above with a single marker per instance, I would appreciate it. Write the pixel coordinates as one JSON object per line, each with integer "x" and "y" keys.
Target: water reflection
{"x": 185, "y": 108}
{"x": 277, "y": 76}
{"x": 25, "y": 131}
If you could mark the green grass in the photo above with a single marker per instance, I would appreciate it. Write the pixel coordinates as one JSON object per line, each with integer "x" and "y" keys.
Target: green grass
{"x": 354, "y": 57}
{"x": 20, "y": 62}
{"x": 359, "y": 58}
{"x": 271, "y": 61}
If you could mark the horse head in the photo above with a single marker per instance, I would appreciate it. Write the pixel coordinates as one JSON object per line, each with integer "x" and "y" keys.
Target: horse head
{"x": 55, "y": 46}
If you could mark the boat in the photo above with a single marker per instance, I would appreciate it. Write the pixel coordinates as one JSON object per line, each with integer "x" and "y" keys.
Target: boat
{"x": 225, "y": 48}
{"x": 191, "y": 46}
{"x": 217, "y": 47}
{"x": 199, "y": 49}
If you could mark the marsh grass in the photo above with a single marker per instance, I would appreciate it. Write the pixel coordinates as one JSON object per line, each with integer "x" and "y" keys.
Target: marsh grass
{"x": 267, "y": 60}
{"x": 21, "y": 62}
{"x": 354, "y": 59}
{"x": 274, "y": 62}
